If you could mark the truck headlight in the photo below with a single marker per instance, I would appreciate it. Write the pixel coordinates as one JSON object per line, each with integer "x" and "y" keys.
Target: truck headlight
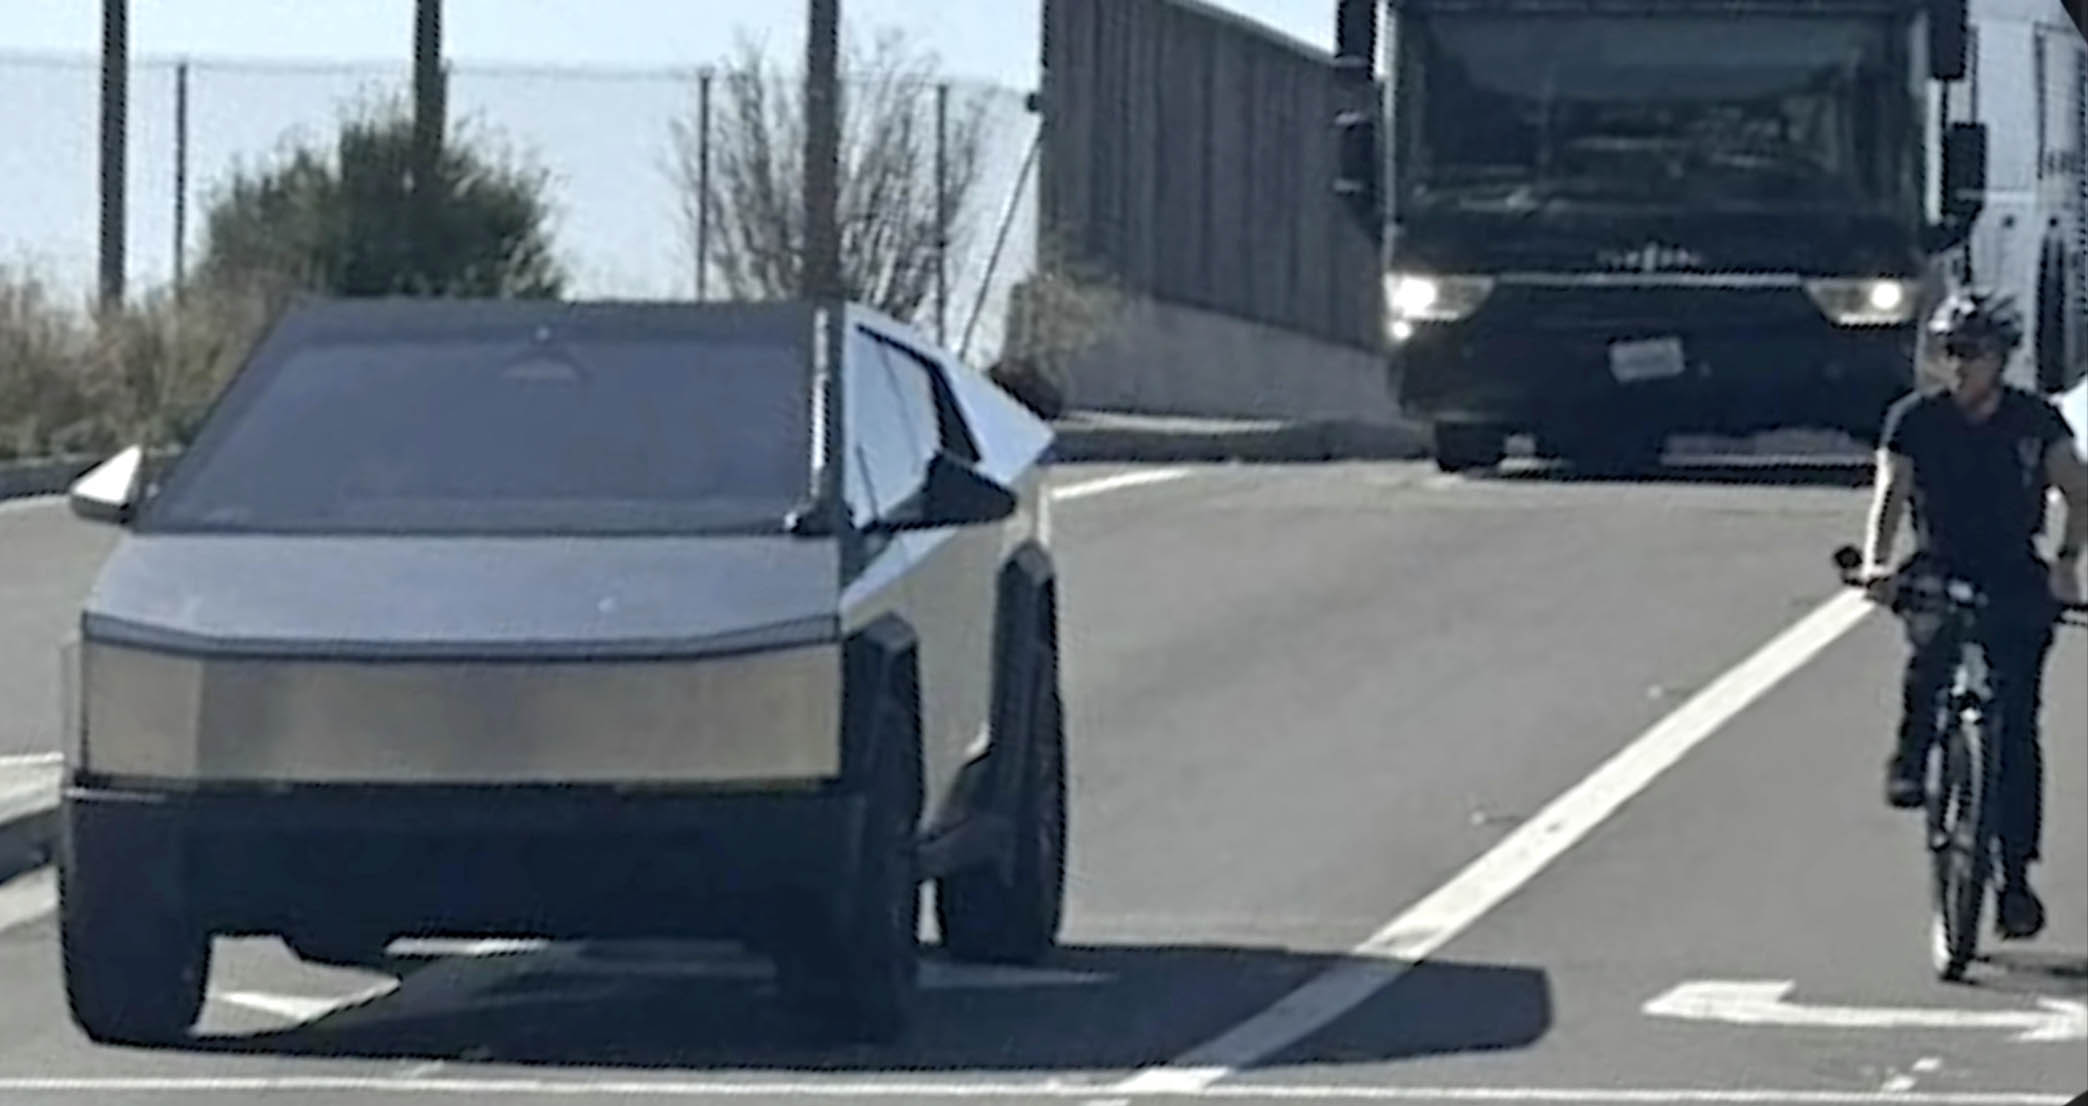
{"x": 1863, "y": 301}
{"x": 1412, "y": 298}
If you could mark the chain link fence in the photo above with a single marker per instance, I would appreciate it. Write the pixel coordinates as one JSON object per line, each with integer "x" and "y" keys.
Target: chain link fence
{"x": 620, "y": 149}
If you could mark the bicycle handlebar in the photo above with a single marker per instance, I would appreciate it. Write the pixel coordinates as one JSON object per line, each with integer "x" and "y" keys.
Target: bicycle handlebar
{"x": 1957, "y": 594}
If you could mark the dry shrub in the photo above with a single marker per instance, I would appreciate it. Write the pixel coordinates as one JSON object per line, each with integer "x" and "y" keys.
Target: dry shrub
{"x": 76, "y": 383}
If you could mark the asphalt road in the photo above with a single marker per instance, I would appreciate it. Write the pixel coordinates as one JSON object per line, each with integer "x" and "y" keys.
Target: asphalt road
{"x": 1388, "y": 787}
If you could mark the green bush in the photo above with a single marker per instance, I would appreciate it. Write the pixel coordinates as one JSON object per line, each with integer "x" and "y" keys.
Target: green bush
{"x": 346, "y": 222}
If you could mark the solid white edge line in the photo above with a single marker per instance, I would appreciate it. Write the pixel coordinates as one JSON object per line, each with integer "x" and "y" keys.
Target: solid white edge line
{"x": 666, "y": 1088}
{"x": 1433, "y": 922}
{"x": 1119, "y": 482}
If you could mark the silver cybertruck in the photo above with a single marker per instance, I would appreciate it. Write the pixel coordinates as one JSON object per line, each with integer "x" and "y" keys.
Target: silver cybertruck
{"x": 569, "y": 621}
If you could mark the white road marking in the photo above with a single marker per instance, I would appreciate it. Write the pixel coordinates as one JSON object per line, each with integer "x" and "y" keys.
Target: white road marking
{"x": 1118, "y": 482}
{"x": 1431, "y": 923}
{"x": 30, "y": 760}
{"x": 668, "y": 1088}
{"x": 26, "y": 898}
{"x": 1763, "y": 1003}
{"x": 1898, "y": 1085}
{"x": 303, "y": 1008}
{"x": 1928, "y": 1065}
{"x": 443, "y": 946}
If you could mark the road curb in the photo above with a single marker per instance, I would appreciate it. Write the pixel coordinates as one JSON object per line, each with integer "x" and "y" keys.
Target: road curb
{"x": 1101, "y": 439}
{"x": 28, "y": 819}
{"x": 43, "y": 476}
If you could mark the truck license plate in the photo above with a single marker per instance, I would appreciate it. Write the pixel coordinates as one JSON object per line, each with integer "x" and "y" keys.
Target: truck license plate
{"x": 1658, "y": 359}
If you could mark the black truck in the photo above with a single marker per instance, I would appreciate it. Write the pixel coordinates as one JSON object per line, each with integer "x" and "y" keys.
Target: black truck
{"x": 1608, "y": 222}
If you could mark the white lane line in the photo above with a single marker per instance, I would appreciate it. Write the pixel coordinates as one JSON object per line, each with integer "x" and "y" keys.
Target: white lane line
{"x": 666, "y": 1088}
{"x": 1117, "y": 483}
{"x": 1899, "y": 1085}
{"x": 1431, "y": 923}
{"x": 1928, "y": 1065}
{"x": 26, "y": 898}
{"x": 30, "y": 760}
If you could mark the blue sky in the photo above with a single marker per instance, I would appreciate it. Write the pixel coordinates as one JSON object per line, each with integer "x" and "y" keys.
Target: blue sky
{"x": 988, "y": 39}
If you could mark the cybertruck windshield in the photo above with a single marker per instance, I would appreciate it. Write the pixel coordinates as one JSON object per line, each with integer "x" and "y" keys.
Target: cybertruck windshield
{"x": 1532, "y": 109}
{"x": 495, "y": 430}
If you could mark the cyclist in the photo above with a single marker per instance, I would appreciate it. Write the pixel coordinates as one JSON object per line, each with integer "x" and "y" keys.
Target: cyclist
{"x": 1975, "y": 459}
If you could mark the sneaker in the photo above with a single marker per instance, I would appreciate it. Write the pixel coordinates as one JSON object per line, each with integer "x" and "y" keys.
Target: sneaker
{"x": 1904, "y": 789}
{"x": 2021, "y": 915}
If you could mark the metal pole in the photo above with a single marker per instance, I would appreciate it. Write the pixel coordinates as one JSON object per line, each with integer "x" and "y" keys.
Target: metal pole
{"x": 822, "y": 269}
{"x": 1000, "y": 241}
{"x": 703, "y": 186}
{"x": 942, "y": 214}
{"x": 181, "y": 153}
{"x": 114, "y": 107}
{"x": 427, "y": 127}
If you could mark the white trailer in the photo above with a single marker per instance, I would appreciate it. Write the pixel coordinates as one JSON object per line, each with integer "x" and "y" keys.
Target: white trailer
{"x": 2028, "y": 82}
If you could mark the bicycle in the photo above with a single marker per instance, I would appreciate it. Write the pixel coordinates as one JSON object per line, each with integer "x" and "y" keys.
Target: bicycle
{"x": 1963, "y": 840}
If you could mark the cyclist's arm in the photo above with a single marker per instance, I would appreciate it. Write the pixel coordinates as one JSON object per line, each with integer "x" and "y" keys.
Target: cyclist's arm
{"x": 2070, "y": 475}
{"x": 1889, "y": 490}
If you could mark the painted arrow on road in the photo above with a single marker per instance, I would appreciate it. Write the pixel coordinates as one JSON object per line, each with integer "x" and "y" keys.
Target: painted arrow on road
{"x": 1762, "y": 1003}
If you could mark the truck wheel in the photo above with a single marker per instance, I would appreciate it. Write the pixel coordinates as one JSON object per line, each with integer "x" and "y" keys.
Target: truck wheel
{"x": 1462, "y": 448}
{"x": 135, "y": 966}
{"x": 1012, "y": 915}
{"x": 1617, "y": 453}
{"x": 854, "y": 973}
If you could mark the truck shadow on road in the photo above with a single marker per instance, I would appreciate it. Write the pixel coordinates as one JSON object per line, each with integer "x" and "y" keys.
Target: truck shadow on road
{"x": 1088, "y": 1008}
{"x": 1773, "y": 472}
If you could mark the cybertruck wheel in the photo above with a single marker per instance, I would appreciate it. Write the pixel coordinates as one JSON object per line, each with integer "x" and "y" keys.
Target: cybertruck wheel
{"x": 1012, "y": 914}
{"x": 852, "y": 976}
{"x": 135, "y": 963}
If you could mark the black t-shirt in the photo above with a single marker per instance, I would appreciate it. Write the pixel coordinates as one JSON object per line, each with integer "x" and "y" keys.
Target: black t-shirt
{"x": 1979, "y": 487}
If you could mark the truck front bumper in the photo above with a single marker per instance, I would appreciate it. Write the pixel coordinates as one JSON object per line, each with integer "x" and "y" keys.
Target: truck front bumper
{"x": 1752, "y": 361}
{"x": 531, "y": 861}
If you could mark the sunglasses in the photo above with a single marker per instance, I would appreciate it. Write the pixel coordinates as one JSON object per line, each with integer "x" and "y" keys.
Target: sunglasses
{"x": 1967, "y": 349}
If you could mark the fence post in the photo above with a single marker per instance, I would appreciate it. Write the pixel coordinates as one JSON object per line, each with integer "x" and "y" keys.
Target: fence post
{"x": 942, "y": 213}
{"x": 181, "y": 123}
{"x": 115, "y": 94}
{"x": 703, "y": 184}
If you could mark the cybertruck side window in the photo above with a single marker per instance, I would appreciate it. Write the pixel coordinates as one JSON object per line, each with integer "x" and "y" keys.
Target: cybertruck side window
{"x": 886, "y": 464}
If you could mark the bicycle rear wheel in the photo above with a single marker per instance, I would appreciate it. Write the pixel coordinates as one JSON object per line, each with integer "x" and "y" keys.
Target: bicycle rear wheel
{"x": 1960, "y": 846}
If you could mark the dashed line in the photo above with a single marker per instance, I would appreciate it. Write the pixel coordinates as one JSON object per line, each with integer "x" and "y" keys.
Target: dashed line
{"x": 1119, "y": 482}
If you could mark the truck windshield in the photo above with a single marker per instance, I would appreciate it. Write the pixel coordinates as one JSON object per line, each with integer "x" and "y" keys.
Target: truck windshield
{"x": 492, "y": 434}
{"x": 1695, "y": 110}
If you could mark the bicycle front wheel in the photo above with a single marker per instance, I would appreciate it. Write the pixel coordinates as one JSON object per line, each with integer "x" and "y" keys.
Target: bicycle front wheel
{"x": 1960, "y": 848}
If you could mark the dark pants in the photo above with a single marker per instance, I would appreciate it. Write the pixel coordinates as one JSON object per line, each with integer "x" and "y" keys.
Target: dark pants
{"x": 2018, "y": 633}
